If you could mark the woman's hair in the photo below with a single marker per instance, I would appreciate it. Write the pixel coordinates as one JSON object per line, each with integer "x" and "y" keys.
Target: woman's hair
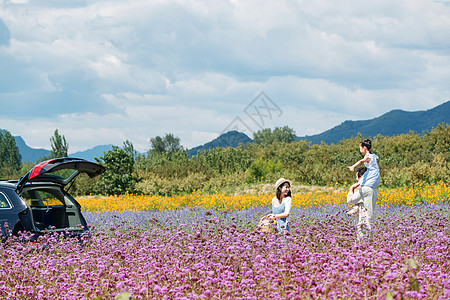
{"x": 279, "y": 191}
{"x": 367, "y": 143}
{"x": 360, "y": 171}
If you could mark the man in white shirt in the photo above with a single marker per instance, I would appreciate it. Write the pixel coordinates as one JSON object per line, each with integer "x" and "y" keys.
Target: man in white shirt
{"x": 366, "y": 198}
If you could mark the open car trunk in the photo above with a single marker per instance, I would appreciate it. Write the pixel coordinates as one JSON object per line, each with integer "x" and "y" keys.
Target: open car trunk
{"x": 53, "y": 209}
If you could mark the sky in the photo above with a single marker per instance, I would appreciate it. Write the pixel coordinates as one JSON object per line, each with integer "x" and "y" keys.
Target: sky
{"x": 103, "y": 72}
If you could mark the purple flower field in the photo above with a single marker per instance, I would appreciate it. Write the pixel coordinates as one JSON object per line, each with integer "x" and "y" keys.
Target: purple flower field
{"x": 201, "y": 254}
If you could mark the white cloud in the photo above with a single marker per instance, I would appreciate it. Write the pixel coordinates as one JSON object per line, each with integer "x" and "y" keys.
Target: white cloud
{"x": 105, "y": 71}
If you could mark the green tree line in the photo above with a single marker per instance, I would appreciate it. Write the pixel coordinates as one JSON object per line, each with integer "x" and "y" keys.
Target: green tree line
{"x": 406, "y": 159}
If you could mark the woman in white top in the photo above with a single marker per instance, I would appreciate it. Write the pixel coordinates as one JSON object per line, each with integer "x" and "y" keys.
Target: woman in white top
{"x": 281, "y": 204}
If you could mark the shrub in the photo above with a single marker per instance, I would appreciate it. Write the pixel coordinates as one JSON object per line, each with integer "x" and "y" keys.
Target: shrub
{"x": 260, "y": 168}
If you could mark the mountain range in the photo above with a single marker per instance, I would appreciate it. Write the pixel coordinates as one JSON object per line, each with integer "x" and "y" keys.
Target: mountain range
{"x": 228, "y": 139}
{"x": 391, "y": 123}
{"x": 34, "y": 154}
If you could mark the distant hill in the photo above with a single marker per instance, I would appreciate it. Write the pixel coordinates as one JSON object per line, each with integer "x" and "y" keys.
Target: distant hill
{"x": 392, "y": 123}
{"x": 90, "y": 154}
{"x": 228, "y": 139}
{"x": 34, "y": 154}
{"x": 29, "y": 154}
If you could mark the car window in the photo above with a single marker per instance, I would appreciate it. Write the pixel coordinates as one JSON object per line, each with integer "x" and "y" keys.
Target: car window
{"x": 63, "y": 173}
{"x": 41, "y": 197}
{"x": 4, "y": 203}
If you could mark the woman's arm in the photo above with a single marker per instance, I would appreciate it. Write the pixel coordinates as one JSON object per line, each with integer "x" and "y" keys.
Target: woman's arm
{"x": 271, "y": 215}
{"x": 287, "y": 209}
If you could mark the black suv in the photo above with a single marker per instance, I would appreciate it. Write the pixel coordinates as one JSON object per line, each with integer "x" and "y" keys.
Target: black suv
{"x": 39, "y": 203}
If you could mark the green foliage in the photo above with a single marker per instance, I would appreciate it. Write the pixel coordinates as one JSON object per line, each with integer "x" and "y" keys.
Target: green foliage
{"x": 119, "y": 177}
{"x": 406, "y": 159}
{"x": 163, "y": 164}
{"x": 60, "y": 148}
{"x": 190, "y": 183}
{"x": 410, "y": 159}
{"x": 10, "y": 158}
{"x": 260, "y": 168}
{"x": 401, "y": 150}
{"x": 438, "y": 140}
{"x": 167, "y": 144}
{"x": 84, "y": 185}
{"x": 222, "y": 160}
{"x": 26, "y": 167}
{"x": 167, "y": 186}
{"x": 165, "y": 173}
{"x": 129, "y": 148}
{"x": 267, "y": 136}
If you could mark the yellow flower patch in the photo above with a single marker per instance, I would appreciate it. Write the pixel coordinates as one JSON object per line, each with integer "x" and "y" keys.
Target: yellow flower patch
{"x": 386, "y": 197}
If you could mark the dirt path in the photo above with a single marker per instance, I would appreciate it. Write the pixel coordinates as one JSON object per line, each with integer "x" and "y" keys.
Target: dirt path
{"x": 269, "y": 189}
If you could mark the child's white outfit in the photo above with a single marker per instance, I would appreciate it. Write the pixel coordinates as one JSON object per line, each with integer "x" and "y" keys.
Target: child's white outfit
{"x": 355, "y": 208}
{"x": 371, "y": 177}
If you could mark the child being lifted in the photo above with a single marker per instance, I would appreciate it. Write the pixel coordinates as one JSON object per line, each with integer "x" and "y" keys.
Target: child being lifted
{"x": 352, "y": 190}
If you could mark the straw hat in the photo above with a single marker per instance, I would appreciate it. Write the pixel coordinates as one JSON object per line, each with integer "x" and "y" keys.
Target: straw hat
{"x": 281, "y": 181}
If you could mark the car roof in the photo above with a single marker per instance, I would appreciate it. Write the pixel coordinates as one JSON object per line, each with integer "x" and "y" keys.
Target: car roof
{"x": 8, "y": 183}
{"x": 12, "y": 184}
